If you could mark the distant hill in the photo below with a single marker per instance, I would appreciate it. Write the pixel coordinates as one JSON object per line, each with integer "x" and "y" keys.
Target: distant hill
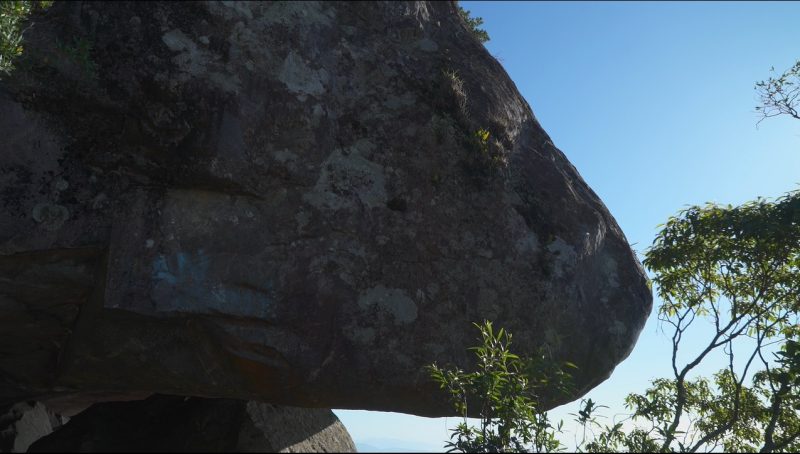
{"x": 395, "y": 445}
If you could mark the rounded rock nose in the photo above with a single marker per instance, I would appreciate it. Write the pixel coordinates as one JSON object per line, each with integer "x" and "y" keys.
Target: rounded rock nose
{"x": 304, "y": 203}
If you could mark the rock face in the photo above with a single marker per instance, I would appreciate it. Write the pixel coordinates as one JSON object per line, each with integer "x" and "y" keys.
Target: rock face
{"x": 25, "y": 422}
{"x": 295, "y": 202}
{"x": 190, "y": 424}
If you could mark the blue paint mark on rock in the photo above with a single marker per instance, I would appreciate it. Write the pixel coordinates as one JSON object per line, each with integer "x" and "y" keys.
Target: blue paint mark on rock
{"x": 161, "y": 271}
{"x": 191, "y": 282}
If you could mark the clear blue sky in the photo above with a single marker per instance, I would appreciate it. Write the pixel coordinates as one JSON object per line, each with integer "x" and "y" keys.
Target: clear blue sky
{"x": 654, "y": 105}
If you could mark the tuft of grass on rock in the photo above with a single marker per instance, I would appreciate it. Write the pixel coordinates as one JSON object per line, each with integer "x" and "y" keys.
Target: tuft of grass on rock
{"x": 12, "y": 17}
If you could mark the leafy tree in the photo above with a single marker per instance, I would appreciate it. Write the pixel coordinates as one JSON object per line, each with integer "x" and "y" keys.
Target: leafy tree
{"x": 12, "y": 15}
{"x": 737, "y": 268}
{"x": 506, "y": 389}
{"x": 781, "y": 95}
{"x": 474, "y": 24}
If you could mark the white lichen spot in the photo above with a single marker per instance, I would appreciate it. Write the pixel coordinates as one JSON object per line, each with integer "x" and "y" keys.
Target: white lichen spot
{"x": 228, "y": 82}
{"x": 285, "y": 157}
{"x": 427, "y": 45}
{"x": 302, "y": 219}
{"x": 348, "y": 180}
{"x": 618, "y": 329}
{"x": 241, "y": 8}
{"x": 300, "y": 78}
{"x": 50, "y": 216}
{"x": 197, "y": 62}
{"x": 393, "y": 301}
{"x": 610, "y": 270}
{"x": 527, "y": 244}
{"x": 61, "y": 184}
{"x": 564, "y": 256}
{"x": 177, "y": 41}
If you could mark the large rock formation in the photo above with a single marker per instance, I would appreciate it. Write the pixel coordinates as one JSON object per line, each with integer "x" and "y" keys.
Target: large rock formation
{"x": 296, "y": 202}
{"x": 190, "y": 424}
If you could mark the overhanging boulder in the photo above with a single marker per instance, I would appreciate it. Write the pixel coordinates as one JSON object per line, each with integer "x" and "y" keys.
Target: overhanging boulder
{"x": 295, "y": 202}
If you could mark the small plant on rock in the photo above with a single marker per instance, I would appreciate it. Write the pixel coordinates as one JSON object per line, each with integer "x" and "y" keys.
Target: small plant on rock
{"x": 12, "y": 16}
{"x": 490, "y": 152}
{"x": 456, "y": 86}
{"x": 506, "y": 393}
{"x": 474, "y": 24}
{"x": 80, "y": 53}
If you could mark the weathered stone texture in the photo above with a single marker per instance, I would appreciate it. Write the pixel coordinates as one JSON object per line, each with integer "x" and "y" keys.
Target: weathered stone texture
{"x": 23, "y": 423}
{"x": 287, "y": 202}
